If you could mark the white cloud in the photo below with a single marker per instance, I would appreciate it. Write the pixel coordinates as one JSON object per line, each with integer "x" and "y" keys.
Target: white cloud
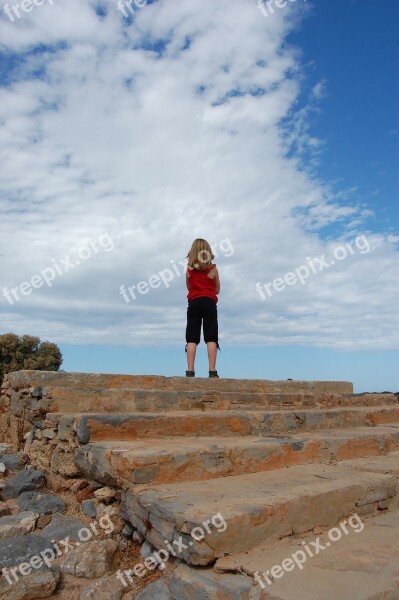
{"x": 159, "y": 132}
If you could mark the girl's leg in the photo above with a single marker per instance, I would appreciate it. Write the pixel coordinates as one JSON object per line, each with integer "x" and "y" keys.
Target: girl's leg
{"x": 211, "y": 331}
{"x": 191, "y": 350}
{"x": 212, "y": 351}
{"x": 193, "y": 333}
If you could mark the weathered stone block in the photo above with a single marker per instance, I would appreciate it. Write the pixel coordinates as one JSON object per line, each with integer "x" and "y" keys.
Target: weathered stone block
{"x": 158, "y": 590}
{"x": 61, "y": 527}
{"x": 16, "y": 525}
{"x": 24, "y": 481}
{"x": 36, "y": 584}
{"x": 187, "y": 583}
{"x": 44, "y": 504}
{"x": 62, "y": 461}
{"x": 90, "y": 560}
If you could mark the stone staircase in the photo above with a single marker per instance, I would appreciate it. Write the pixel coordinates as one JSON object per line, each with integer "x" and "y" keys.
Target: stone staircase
{"x": 249, "y": 463}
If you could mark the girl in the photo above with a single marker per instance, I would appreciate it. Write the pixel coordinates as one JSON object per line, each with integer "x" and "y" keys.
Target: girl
{"x": 202, "y": 280}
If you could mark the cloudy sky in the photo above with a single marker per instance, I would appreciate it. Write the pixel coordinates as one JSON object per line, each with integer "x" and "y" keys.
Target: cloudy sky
{"x": 271, "y": 134}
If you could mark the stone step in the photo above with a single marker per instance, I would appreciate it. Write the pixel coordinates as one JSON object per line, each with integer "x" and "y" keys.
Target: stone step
{"x": 346, "y": 566}
{"x": 158, "y": 400}
{"x": 354, "y": 561}
{"x": 92, "y": 381}
{"x": 386, "y": 464}
{"x": 238, "y": 513}
{"x": 125, "y": 427}
{"x": 169, "y": 460}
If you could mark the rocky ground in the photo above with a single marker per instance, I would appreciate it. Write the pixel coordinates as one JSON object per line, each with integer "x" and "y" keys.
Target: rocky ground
{"x": 69, "y": 545}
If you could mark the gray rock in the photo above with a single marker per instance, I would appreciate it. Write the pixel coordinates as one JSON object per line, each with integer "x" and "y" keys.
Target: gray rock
{"x": 14, "y": 461}
{"x": 106, "y": 588}
{"x": 90, "y": 560}
{"x": 158, "y": 591}
{"x": 89, "y": 508}
{"x": 128, "y": 530}
{"x": 187, "y": 583}
{"x": 146, "y": 549}
{"x": 61, "y": 527}
{"x": 95, "y": 485}
{"x": 14, "y": 551}
{"x": 138, "y": 537}
{"x": 15, "y": 525}
{"x": 37, "y": 392}
{"x": 49, "y": 434}
{"x": 83, "y": 431}
{"x": 37, "y": 584}
{"x": 91, "y": 462}
{"x": 44, "y": 504}
{"x": 65, "y": 428}
{"x": 24, "y": 481}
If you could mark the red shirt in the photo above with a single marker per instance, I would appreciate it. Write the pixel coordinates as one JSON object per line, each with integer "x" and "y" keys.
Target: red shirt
{"x": 200, "y": 285}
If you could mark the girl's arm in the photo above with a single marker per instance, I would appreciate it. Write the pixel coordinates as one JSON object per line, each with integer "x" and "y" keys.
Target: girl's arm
{"x": 214, "y": 274}
{"x": 217, "y": 282}
{"x": 188, "y": 277}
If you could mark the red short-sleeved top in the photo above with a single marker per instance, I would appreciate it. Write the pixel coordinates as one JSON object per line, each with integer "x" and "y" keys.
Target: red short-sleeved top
{"x": 200, "y": 285}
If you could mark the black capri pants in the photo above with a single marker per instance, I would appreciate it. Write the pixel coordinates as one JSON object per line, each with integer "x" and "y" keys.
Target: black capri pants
{"x": 202, "y": 310}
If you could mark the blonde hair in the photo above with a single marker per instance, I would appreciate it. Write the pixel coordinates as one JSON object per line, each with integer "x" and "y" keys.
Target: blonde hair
{"x": 200, "y": 255}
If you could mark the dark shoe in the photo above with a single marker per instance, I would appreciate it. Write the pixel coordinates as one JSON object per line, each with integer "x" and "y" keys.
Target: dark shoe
{"x": 213, "y": 374}
{"x": 190, "y": 373}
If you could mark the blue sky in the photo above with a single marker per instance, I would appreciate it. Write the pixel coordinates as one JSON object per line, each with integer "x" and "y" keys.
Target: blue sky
{"x": 275, "y": 138}
{"x": 353, "y": 46}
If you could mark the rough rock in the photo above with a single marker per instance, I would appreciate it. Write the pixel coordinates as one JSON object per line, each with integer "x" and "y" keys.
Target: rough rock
{"x": 14, "y": 551}
{"x": 44, "y": 504}
{"x": 37, "y": 584}
{"x": 128, "y": 530}
{"x": 62, "y": 461}
{"x": 14, "y": 461}
{"x": 92, "y": 559}
{"x": 16, "y": 525}
{"x": 106, "y": 588}
{"x": 159, "y": 591}
{"x": 138, "y": 537}
{"x": 90, "y": 462}
{"x": 24, "y": 481}
{"x": 105, "y": 494}
{"x": 146, "y": 549}
{"x": 49, "y": 434}
{"x": 89, "y": 508}
{"x": 187, "y": 583}
{"x": 61, "y": 527}
{"x": 65, "y": 428}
